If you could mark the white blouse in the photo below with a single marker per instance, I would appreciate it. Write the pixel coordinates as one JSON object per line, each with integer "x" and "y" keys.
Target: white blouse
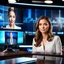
{"x": 15, "y": 27}
{"x": 55, "y": 46}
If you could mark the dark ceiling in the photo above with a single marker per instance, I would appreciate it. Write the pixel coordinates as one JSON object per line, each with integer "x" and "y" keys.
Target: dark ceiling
{"x": 55, "y": 2}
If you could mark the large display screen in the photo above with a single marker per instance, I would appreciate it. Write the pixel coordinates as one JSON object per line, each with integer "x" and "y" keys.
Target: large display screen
{"x": 31, "y": 15}
{"x": 11, "y": 17}
{"x": 11, "y": 37}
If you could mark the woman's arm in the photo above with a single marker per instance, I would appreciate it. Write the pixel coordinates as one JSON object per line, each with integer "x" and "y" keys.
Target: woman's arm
{"x": 58, "y": 45}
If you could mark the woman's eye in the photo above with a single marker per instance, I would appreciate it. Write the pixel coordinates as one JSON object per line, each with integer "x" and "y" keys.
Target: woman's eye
{"x": 10, "y": 16}
{"x": 45, "y": 24}
{"x": 13, "y": 16}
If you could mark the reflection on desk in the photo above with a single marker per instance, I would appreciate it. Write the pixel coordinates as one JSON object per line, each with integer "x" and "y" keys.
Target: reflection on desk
{"x": 48, "y": 59}
{"x": 34, "y": 60}
{"x": 16, "y": 58}
{"x": 21, "y": 60}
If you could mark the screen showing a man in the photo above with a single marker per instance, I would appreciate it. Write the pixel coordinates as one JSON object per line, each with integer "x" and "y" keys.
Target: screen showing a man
{"x": 12, "y": 39}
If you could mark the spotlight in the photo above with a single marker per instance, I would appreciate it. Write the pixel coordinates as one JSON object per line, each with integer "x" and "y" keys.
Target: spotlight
{"x": 11, "y": 1}
{"x": 48, "y": 1}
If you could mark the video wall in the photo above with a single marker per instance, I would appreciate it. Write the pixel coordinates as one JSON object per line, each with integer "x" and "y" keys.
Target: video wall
{"x": 24, "y": 21}
{"x": 11, "y": 25}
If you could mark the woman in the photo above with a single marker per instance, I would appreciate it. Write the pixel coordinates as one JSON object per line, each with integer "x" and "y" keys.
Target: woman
{"x": 12, "y": 18}
{"x": 44, "y": 40}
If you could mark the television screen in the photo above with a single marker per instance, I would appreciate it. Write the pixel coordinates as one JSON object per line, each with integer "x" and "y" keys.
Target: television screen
{"x": 11, "y": 17}
{"x": 11, "y": 37}
{"x": 31, "y": 15}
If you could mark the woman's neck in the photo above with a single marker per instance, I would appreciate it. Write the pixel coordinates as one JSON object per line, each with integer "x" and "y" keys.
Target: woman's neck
{"x": 11, "y": 26}
{"x": 44, "y": 36}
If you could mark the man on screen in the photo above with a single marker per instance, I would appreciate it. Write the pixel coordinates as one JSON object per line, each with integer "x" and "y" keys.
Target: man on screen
{"x": 11, "y": 40}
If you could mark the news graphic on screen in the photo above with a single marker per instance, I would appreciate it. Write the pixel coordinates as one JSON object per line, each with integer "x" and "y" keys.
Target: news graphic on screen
{"x": 11, "y": 37}
{"x": 56, "y": 15}
{"x": 11, "y": 17}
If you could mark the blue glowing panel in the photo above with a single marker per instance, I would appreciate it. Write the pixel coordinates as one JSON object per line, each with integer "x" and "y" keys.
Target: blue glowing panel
{"x": 2, "y": 62}
{"x": 2, "y": 37}
{"x": 1, "y": 15}
{"x": 29, "y": 49}
{"x": 20, "y": 37}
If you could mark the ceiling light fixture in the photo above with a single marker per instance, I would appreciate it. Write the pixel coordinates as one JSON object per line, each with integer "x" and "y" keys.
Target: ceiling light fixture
{"x": 11, "y": 1}
{"x": 35, "y": 1}
{"x": 48, "y": 1}
{"x": 62, "y": 0}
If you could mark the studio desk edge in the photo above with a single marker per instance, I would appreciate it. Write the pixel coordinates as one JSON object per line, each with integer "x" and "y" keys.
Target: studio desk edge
{"x": 9, "y": 55}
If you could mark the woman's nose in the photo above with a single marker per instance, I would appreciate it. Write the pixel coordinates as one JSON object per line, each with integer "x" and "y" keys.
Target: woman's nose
{"x": 42, "y": 26}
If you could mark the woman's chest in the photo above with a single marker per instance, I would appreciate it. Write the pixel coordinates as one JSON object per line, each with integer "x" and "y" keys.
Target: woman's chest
{"x": 49, "y": 47}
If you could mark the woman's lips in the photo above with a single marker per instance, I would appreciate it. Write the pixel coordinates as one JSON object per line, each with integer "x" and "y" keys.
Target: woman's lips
{"x": 11, "y": 22}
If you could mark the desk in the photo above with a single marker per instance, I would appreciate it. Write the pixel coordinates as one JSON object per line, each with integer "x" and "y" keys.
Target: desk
{"x": 47, "y": 60}
{"x": 7, "y": 55}
{"x": 42, "y": 58}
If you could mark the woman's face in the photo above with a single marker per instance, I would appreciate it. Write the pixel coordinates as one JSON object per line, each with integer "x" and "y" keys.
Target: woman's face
{"x": 12, "y": 17}
{"x": 43, "y": 26}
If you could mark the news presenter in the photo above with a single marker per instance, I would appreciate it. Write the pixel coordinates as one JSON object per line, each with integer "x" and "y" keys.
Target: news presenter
{"x": 44, "y": 40}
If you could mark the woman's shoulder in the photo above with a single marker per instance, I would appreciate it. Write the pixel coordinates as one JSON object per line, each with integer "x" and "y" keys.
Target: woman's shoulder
{"x": 34, "y": 41}
{"x": 56, "y": 37}
{"x": 17, "y": 27}
{"x": 7, "y": 26}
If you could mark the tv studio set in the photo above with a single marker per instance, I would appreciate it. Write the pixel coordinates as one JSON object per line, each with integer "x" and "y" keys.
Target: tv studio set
{"x": 31, "y": 32}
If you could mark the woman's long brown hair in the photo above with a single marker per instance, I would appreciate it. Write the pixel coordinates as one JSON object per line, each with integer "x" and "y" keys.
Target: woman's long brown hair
{"x": 38, "y": 37}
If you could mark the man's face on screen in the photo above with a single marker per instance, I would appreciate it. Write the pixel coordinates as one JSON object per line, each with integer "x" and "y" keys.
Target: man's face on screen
{"x": 12, "y": 17}
{"x": 11, "y": 35}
